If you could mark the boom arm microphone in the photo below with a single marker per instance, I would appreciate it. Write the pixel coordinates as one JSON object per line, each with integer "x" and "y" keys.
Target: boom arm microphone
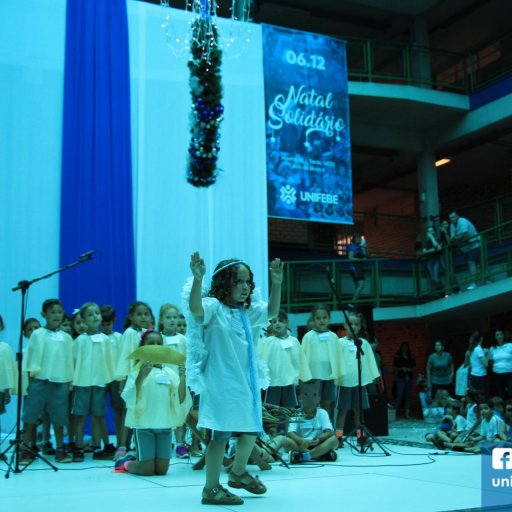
{"x": 86, "y": 256}
{"x": 329, "y": 275}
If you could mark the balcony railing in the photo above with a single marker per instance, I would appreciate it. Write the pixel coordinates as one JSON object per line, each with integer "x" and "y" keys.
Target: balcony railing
{"x": 409, "y": 64}
{"x": 395, "y": 281}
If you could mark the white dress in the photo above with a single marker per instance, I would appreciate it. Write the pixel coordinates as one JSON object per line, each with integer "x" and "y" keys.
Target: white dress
{"x": 220, "y": 363}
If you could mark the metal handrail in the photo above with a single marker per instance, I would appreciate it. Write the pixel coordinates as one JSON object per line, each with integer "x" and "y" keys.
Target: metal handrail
{"x": 448, "y": 71}
{"x": 393, "y": 281}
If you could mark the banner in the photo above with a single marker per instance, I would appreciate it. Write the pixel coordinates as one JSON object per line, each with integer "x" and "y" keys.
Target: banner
{"x": 309, "y": 175}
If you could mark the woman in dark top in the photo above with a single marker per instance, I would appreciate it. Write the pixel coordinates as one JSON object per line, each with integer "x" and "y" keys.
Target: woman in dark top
{"x": 439, "y": 369}
{"x": 404, "y": 366}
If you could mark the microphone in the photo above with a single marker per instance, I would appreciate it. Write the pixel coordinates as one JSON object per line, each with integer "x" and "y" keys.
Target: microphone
{"x": 86, "y": 256}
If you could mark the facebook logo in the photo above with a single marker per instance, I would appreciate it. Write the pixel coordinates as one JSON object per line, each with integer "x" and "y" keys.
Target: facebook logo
{"x": 502, "y": 458}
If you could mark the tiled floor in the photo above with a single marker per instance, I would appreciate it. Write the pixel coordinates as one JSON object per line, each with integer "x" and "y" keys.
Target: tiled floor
{"x": 410, "y": 479}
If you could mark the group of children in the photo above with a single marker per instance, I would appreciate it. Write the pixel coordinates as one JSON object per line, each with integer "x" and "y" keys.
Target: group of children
{"x": 474, "y": 424}
{"x": 70, "y": 367}
{"x": 329, "y": 362}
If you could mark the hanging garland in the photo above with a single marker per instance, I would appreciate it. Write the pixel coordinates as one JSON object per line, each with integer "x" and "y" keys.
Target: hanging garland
{"x": 207, "y": 109}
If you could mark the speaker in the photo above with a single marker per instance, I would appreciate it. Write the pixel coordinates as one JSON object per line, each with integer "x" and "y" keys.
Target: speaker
{"x": 375, "y": 418}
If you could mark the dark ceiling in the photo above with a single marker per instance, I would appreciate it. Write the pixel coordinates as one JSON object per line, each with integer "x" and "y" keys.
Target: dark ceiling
{"x": 386, "y": 178}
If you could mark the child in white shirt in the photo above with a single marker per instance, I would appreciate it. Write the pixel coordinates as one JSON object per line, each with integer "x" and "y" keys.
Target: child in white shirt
{"x": 286, "y": 363}
{"x": 8, "y": 372}
{"x": 156, "y": 401}
{"x": 94, "y": 369}
{"x": 137, "y": 321}
{"x": 167, "y": 325}
{"x": 312, "y": 433}
{"x": 108, "y": 319}
{"x": 348, "y": 396}
{"x": 49, "y": 363}
{"x": 323, "y": 354}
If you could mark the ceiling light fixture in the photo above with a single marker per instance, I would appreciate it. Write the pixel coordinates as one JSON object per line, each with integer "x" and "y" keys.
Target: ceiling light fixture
{"x": 443, "y": 161}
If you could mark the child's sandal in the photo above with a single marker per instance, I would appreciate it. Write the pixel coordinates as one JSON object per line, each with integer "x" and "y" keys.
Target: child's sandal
{"x": 220, "y": 496}
{"x": 253, "y": 484}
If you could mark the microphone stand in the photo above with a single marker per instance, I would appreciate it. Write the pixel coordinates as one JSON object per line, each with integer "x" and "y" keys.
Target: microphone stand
{"x": 367, "y": 439}
{"x": 17, "y": 445}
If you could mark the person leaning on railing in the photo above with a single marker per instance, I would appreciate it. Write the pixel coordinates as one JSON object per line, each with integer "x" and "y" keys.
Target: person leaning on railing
{"x": 431, "y": 251}
{"x": 465, "y": 236}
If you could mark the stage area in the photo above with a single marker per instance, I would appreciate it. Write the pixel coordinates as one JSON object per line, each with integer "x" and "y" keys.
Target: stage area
{"x": 414, "y": 478}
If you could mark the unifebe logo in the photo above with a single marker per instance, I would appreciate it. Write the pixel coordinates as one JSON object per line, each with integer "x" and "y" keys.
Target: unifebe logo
{"x": 288, "y": 194}
{"x": 496, "y": 466}
{"x": 502, "y": 458}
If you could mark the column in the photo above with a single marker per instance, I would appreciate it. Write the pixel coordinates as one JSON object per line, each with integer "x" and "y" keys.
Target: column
{"x": 427, "y": 187}
{"x": 420, "y": 56}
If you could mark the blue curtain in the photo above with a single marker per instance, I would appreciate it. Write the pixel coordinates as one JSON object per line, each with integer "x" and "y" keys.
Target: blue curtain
{"x": 96, "y": 189}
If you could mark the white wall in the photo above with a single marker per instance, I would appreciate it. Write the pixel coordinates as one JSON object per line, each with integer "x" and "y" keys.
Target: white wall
{"x": 172, "y": 219}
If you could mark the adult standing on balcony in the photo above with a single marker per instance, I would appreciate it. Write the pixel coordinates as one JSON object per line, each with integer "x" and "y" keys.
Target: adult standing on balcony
{"x": 356, "y": 253}
{"x": 464, "y": 234}
{"x": 431, "y": 251}
{"x": 450, "y": 283}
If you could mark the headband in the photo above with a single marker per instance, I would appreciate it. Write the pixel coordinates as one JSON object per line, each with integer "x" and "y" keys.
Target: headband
{"x": 227, "y": 265}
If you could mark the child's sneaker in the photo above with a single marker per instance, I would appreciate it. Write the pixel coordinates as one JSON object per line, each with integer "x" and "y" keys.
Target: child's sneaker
{"x": 48, "y": 448}
{"x": 120, "y": 464}
{"x": 62, "y": 456}
{"x": 120, "y": 452}
{"x": 295, "y": 457}
{"x": 330, "y": 456}
{"x": 182, "y": 451}
{"x": 70, "y": 447}
{"x": 111, "y": 449}
{"x": 26, "y": 457}
{"x": 102, "y": 455}
{"x": 78, "y": 455}
{"x": 298, "y": 457}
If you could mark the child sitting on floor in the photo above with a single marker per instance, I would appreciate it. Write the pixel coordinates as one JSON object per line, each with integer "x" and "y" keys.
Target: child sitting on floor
{"x": 313, "y": 434}
{"x": 492, "y": 429}
{"x": 452, "y": 425}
